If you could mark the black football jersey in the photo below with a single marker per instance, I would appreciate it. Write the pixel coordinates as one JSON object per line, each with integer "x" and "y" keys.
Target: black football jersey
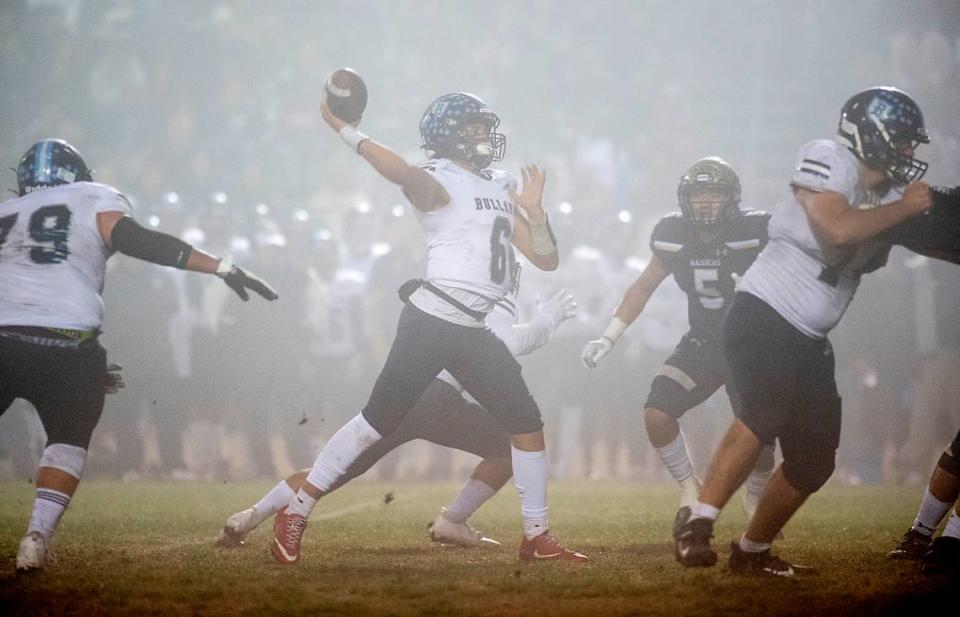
{"x": 704, "y": 270}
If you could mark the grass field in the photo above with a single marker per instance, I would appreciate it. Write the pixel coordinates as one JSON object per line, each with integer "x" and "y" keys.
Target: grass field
{"x": 146, "y": 549}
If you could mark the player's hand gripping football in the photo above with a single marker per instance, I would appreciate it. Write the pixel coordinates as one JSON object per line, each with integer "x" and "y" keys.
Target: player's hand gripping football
{"x": 559, "y": 307}
{"x": 530, "y": 197}
{"x": 239, "y": 280}
{"x": 335, "y": 123}
{"x": 594, "y": 351}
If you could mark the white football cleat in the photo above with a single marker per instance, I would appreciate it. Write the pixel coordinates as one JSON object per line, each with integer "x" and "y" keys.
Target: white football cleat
{"x": 235, "y": 530}
{"x": 461, "y": 534}
{"x": 32, "y": 553}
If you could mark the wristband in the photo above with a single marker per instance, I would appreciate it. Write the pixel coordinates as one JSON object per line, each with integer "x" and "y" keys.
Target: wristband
{"x": 543, "y": 241}
{"x": 614, "y": 330}
{"x": 352, "y": 137}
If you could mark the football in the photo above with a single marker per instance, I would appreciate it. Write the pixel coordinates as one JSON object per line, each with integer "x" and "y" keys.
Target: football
{"x": 346, "y": 95}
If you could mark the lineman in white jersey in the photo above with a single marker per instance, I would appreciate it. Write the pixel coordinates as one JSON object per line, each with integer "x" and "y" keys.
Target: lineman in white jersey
{"x": 55, "y": 239}
{"x": 473, "y": 219}
{"x": 842, "y": 196}
{"x": 444, "y": 416}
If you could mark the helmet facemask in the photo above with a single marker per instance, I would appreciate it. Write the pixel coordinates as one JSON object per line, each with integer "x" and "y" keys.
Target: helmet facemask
{"x": 706, "y": 206}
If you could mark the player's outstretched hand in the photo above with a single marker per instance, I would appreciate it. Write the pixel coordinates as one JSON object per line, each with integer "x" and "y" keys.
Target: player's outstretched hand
{"x": 114, "y": 382}
{"x": 530, "y": 197}
{"x": 594, "y": 350}
{"x": 559, "y": 307}
{"x": 239, "y": 280}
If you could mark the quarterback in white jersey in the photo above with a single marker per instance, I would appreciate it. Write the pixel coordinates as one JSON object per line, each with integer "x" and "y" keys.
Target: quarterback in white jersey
{"x": 473, "y": 220}
{"x": 55, "y": 239}
{"x": 822, "y": 237}
{"x": 442, "y": 415}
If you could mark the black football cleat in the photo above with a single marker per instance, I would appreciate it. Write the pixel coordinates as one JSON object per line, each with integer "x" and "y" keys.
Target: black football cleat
{"x": 683, "y": 515}
{"x": 912, "y": 546}
{"x": 763, "y": 563}
{"x": 692, "y": 543}
{"x": 943, "y": 557}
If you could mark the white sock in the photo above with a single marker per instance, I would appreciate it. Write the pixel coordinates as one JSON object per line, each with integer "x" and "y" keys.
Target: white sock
{"x": 757, "y": 481}
{"x": 473, "y": 495}
{"x": 952, "y": 530}
{"x": 530, "y": 478}
{"x": 275, "y": 500}
{"x": 704, "y": 510}
{"x": 344, "y": 447}
{"x": 48, "y": 507}
{"x": 301, "y": 504}
{"x": 932, "y": 511}
{"x": 689, "y": 491}
{"x": 749, "y": 546}
{"x": 675, "y": 458}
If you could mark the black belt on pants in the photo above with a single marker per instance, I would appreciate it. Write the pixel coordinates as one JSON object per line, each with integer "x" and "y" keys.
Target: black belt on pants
{"x": 63, "y": 338}
{"x": 407, "y": 289}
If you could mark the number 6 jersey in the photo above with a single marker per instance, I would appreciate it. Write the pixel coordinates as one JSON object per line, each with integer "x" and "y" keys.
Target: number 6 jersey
{"x": 469, "y": 244}
{"x": 52, "y": 258}
{"x": 704, "y": 270}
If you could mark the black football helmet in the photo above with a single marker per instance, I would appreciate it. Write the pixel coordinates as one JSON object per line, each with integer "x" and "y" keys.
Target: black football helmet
{"x": 878, "y": 122}
{"x": 50, "y": 162}
{"x": 443, "y": 130}
{"x": 715, "y": 175}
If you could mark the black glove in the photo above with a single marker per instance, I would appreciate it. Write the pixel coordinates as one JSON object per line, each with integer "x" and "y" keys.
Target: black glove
{"x": 239, "y": 280}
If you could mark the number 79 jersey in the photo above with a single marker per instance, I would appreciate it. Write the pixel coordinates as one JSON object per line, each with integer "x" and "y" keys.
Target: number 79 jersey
{"x": 52, "y": 258}
{"x": 705, "y": 270}
{"x": 469, "y": 240}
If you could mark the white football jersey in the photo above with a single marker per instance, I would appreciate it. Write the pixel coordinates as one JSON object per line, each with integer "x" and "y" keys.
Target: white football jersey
{"x": 808, "y": 283}
{"x": 52, "y": 258}
{"x": 469, "y": 244}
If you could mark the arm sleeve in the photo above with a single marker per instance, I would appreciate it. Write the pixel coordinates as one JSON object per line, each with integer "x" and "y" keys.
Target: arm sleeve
{"x": 130, "y": 238}
{"x": 521, "y": 339}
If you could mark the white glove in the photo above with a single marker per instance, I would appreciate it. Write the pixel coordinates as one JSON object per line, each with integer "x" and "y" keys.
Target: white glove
{"x": 594, "y": 350}
{"x": 559, "y": 307}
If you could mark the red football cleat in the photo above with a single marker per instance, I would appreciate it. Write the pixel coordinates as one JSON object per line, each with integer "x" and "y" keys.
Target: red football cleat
{"x": 546, "y": 547}
{"x": 287, "y": 533}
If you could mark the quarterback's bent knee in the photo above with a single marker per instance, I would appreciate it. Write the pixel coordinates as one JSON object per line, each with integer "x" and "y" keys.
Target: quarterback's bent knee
{"x": 810, "y": 473}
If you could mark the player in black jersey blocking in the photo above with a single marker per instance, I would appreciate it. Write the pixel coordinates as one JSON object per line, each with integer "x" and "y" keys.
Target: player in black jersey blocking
{"x": 705, "y": 246}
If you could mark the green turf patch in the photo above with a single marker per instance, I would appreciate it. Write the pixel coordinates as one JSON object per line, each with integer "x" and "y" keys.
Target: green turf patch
{"x": 147, "y": 549}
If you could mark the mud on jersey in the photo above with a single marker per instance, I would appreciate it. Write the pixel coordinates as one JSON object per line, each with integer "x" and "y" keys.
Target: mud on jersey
{"x": 704, "y": 270}
{"x": 52, "y": 258}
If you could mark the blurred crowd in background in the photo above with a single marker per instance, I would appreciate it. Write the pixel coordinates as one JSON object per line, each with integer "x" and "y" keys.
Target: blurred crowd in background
{"x": 206, "y": 116}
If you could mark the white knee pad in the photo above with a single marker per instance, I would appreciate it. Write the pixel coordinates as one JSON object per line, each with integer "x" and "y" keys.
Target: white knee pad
{"x": 66, "y": 458}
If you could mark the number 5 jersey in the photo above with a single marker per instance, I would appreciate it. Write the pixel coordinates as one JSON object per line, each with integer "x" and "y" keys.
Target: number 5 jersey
{"x": 705, "y": 270}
